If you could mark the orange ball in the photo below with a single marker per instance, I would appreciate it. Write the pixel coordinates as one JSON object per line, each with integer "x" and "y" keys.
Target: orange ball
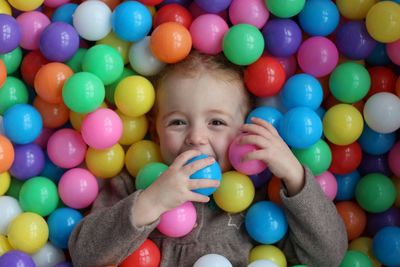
{"x": 49, "y": 81}
{"x": 170, "y": 42}
{"x": 354, "y": 218}
{"x": 6, "y": 154}
{"x": 3, "y": 73}
{"x": 53, "y": 115}
{"x": 273, "y": 190}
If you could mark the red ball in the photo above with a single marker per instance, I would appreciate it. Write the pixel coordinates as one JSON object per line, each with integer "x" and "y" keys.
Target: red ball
{"x": 345, "y": 159}
{"x": 173, "y": 13}
{"x": 31, "y": 64}
{"x": 383, "y": 79}
{"x": 265, "y": 77}
{"x": 147, "y": 255}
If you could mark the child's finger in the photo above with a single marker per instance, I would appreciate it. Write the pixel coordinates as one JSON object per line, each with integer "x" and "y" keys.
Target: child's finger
{"x": 261, "y": 154}
{"x": 202, "y": 183}
{"x": 266, "y": 125}
{"x": 256, "y": 129}
{"x": 196, "y": 165}
{"x": 254, "y": 139}
{"x": 183, "y": 158}
{"x": 195, "y": 197}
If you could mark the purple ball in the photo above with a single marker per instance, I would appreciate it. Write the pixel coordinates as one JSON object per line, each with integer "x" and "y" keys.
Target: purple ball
{"x": 59, "y": 41}
{"x": 261, "y": 178}
{"x": 376, "y": 221}
{"x": 374, "y": 163}
{"x": 16, "y": 258}
{"x": 213, "y": 6}
{"x": 353, "y": 40}
{"x": 282, "y": 37}
{"x": 28, "y": 162}
{"x": 10, "y": 33}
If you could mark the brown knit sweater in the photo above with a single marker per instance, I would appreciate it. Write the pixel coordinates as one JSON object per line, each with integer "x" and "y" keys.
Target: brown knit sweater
{"x": 316, "y": 236}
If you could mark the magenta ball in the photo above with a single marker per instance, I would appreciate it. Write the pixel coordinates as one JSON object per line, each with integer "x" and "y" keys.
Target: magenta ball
{"x": 102, "y": 128}
{"x": 31, "y": 24}
{"x": 394, "y": 159}
{"x": 78, "y": 188}
{"x": 66, "y": 148}
{"x": 317, "y": 56}
{"x": 393, "y": 52}
{"x": 179, "y": 221}
{"x": 253, "y": 12}
{"x": 328, "y": 183}
{"x": 237, "y": 151}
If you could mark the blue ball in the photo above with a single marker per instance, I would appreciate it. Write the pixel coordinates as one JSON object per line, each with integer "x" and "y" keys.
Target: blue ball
{"x": 378, "y": 56}
{"x": 22, "y": 123}
{"x": 375, "y": 143}
{"x": 265, "y": 222}
{"x": 131, "y": 21}
{"x": 212, "y": 172}
{"x": 302, "y": 90}
{"x": 61, "y": 222}
{"x": 386, "y": 246}
{"x": 64, "y": 13}
{"x": 269, "y": 114}
{"x": 52, "y": 171}
{"x": 346, "y": 184}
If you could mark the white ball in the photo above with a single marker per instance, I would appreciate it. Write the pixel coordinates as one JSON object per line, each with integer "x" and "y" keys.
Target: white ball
{"x": 262, "y": 263}
{"x": 92, "y": 20}
{"x": 212, "y": 260}
{"x": 381, "y": 112}
{"x": 48, "y": 256}
{"x": 9, "y": 209}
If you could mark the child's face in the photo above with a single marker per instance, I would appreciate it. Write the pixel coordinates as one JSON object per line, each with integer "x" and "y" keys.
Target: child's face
{"x": 201, "y": 113}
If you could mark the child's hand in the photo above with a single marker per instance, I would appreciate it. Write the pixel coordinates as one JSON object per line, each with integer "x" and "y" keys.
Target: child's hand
{"x": 274, "y": 152}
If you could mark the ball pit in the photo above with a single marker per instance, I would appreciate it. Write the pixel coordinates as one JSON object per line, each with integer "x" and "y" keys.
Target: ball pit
{"x": 63, "y": 62}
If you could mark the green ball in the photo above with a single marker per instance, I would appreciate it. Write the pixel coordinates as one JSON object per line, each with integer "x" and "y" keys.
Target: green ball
{"x": 75, "y": 62}
{"x": 39, "y": 195}
{"x": 285, "y": 8}
{"x": 375, "y": 192}
{"x": 110, "y": 89}
{"x": 12, "y": 60}
{"x": 105, "y": 62}
{"x": 12, "y": 92}
{"x": 355, "y": 258}
{"x": 149, "y": 173}
{"x": 243, "y": 44}
{"x": 349, "y": 82}
{"x": 15, "y": 188}
{"x": 83, "y": 92}
{"x": 317, "y": 157}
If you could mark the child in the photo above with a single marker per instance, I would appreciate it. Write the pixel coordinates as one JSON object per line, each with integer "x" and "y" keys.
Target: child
{"x": 201, "y": 104}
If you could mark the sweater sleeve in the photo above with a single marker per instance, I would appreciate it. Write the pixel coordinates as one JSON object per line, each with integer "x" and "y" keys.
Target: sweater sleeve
{"x": 107, "y": 236}
{"x": 317, "y": 235}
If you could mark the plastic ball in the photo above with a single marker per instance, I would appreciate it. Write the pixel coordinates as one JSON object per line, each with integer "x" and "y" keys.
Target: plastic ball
{"x": 66, "y": 148}
{"x": 52, "y": 171}
{"x": 375, "y": 143}
{"x": 12, "y": 60}
{"x": 317, "y": 56}
{"x": 394, "y": 159}
{"x": 5, "y": 181}
{"x": 346, "y": 158}
{"x": 15, "y": 187}
{"x": 343, "y": 124}
{"x": 78, "y": 188}
{"x": 355, "y": 258}
{"x": 300, "y": 127}
{"x": 142, "y": 59}
{"x": 48, "y": 255}
{"x": 10, "y": 209}
{"x": 354, "y": 9}
{"x": 24, "y": 5}
{"x": 75, "y": 63}
{"x": 267, "y": 113}
{"x": 32, "y": 24}
{"x": 374, "y": 164}
{"x": 245, "y": 38}
{"x": 134, "y": 128}
{"x": 131, "y": 21}
{"x": 235, "y": 192}
{"x": 212, "y": 260}
{"x": 386, "y": 246}
{"x": 15, "y": 258}
{"x": 346, "y": 185}
{"x": 172, "y": 13}
{"x": 31, "y": 64}
{"x": 265, "y": 222}
{"x": 265, "y": 77}
{"x": 207, "y": 33}
{"x": 83, "y": 92}
{"x": 170, "y": 42}
{"x": 354, "y": 218}
{"x": 28, "y": 232}
{"x": 383, "y": 21}
{"x": 213, "y": 6}
{"x": 383, "y": 79}
{"x": 146, "y": 255}
{"x": 262, "y": 263}
{"x": 212, "y": 172}
{"x": 252, "y": 12}
{"x": 61, "y": 223}
{"x": 375, "y": 192}
{"x": 377, "y": 221}
{"x": 378, "y": 56}
{"x": 134, "y": 96}
{"x": 268, "y": 252}
{"x": 12, "y": 92}
{"x": 260, "y": 179}
{"x": 364, "y": 245}
{"x": 328, "y": 183}
{"x": 107, "y": 162}
{"x": 392, "y": 51}
{"x": 55, "y": 3}
{"x": 53, "y": 115}
{"x": 149, "y": 173}
{"x": 3, "y": 73}
{"x": 141, "y": 153}
{"x": 5, "y": 7}
{"x": 237, "y": 151}
{"x": 11, "y": 33}
{"x": 286, "y": 8}
{"x": 7, "y": 154}
{"x": 179, "y": 221}
{"x": 110, "y": 89}
{"x": 64, "y": 13}
{"x": 380, "y": 112}
{"x": 28, "y": 161}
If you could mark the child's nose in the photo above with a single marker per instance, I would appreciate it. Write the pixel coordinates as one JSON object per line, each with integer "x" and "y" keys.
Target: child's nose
{"x": 196, "y": 137}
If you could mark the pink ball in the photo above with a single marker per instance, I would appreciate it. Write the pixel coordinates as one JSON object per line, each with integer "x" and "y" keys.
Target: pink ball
{"x": 394, "y": 159}
{"x": 55, "y": 3}
{"x": 78, "y": 188}
{"x": 66, "y": 148}
{"x": 32, "y": 24}
{"x": 253, "y": 12}
{"x": 237, "y": 151}
{"x": 179, "y": 221}
{"x": 207, "y": 33}
{"x": 317, "y": 56}
{"x": 393, "y": 52}
{"x": 328, "y": 183}
{"x": 44, "y": 136}
{"x": 102, "y": 128}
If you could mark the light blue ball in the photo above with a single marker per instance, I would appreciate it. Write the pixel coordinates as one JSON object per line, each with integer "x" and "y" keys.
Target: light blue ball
{"x": 64, "y": 13}
{"x": 61, "y": 222}
{"x": 212, "y": 172}
{"x": 269, "y": 114}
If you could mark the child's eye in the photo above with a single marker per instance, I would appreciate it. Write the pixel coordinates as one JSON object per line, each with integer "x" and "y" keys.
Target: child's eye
{"x": 177, "y": 122}
{"x": 217, "y": 122}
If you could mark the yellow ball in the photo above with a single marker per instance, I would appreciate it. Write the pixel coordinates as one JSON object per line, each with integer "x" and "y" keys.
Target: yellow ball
{"x": 140, "y": 154}
{"x": 4, "y": 245}
{"x": 5, "y": 181}
{"x": 28, "y": 232}
{"x": 118, "y": 44}
{"x": 268, "y": 252}
{"x": 105, "y": 163}
{"x": 134, "y": 128}
{"x": 364, "y": 245}
{"x": 5, "y": 8}
{"x": 343, "y": 124}
{"x": 235, "y": 193}
{"x": 25, "y": 5}
{"x": 354, "y": 9}
{"x": 383, "y": 21}
{"x": 134, "y": 96}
